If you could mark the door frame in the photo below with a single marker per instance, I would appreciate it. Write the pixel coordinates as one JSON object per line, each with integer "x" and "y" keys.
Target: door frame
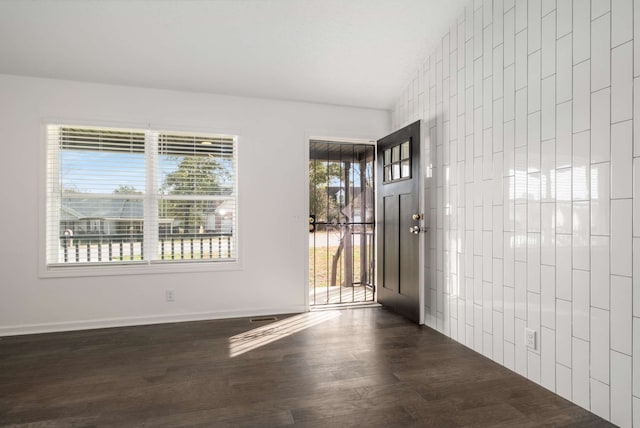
{"x": 304, "y": 220}
{"x": 425, "y": 181}
{"x": 423, "y": 249}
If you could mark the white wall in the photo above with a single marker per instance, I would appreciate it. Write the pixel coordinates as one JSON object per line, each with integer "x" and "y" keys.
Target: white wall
{"x": 273, "y": 209}
{"x": 532, "y": 107}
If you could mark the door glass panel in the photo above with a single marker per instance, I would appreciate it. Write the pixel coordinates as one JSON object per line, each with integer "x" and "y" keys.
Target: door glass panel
{"x": 397, "y": 162}
{"x": 405, "y": 150}
{"x": 387, "y": 156}
{"x": 406, "y": 169}
{"x": 395, "y": 157}
{"x": 396, "y": 171}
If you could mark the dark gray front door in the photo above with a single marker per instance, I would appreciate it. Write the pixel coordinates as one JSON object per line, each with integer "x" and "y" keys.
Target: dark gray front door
{"x": 399, "y": 221}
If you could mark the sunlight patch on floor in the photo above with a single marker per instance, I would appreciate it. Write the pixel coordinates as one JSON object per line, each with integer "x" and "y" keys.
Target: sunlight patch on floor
{"x": 253, "y": 339}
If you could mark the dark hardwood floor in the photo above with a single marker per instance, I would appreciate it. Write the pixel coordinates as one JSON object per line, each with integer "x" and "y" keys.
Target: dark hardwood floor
{"x": 355, "y": 367}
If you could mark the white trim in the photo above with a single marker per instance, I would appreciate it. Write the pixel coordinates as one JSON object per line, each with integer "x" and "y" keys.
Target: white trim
{"x": 143, "y": 320}
{"x": 236, "y": 217}
{"x": 46, "y": 270}
{"x": 151, "y": 197}
{"x": 42, "y": 198}
{"x": 305, "y": 280}
{"x": 163, "y": 126}
{"x": 343, "y": 140}
{"x": 139, "y": 268}
{"x": 422, "y": 242}
{"x": 52, "y": 188}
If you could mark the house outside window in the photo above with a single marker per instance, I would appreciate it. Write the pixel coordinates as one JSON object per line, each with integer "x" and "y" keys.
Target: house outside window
{"x": 130, "y": 196}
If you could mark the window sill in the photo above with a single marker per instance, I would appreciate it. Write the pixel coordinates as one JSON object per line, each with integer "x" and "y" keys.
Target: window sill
{"x": 141, "y": 268}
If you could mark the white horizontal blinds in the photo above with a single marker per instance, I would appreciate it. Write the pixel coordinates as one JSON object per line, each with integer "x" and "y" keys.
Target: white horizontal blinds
{"x": 197, "y": 197}
{"x": 132, "y": 195}
{"x": 96, "y": 182}
{"x": 54, "y": 196}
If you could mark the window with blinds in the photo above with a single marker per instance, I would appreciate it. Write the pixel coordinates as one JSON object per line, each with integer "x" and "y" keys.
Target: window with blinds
{"x": 139, "y": 196}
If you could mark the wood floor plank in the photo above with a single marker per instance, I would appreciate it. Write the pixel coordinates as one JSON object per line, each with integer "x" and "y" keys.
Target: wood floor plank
{"x": 357, "y": 367}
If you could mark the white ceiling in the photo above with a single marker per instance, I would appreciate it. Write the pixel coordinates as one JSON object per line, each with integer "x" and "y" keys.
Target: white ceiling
{"x": 345, "y": 52}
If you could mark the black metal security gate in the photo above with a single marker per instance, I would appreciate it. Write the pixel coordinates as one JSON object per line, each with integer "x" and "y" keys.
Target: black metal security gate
{"x": 341, "y": 222}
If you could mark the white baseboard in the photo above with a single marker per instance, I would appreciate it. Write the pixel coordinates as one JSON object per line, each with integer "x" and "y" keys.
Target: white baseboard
{"x": 143, "y": 320}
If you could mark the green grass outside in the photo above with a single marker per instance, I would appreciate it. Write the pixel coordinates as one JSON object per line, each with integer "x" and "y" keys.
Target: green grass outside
{"x": 320, "y": 265}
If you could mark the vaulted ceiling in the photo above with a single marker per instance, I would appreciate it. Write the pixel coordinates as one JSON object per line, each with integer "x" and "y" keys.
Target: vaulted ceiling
{"x": 344, "y": 52}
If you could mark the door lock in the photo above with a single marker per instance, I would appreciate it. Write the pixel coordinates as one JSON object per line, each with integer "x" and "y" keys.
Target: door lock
{"x": 416, "y": 217}
{"x": 417, "y": 229}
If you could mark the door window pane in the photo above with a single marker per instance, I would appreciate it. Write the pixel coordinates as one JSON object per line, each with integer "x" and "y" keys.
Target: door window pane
{"x": 396, "y": 171}
{"x": 405, "y": 150}
{"x": 406, "y": 169}
{"x": 395, "y": 157}
{"x": 397, "y": 162}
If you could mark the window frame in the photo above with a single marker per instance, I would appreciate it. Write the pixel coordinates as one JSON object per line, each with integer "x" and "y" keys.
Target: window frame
{"x": 93, "y": 269}
{"x": 392, "y": 163}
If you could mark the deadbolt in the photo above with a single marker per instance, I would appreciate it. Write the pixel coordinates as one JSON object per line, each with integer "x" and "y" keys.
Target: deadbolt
{"x": 416, "y": 217}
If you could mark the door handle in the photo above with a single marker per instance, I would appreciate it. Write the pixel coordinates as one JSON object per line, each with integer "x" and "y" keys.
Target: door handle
{"x": 417, "y": 229}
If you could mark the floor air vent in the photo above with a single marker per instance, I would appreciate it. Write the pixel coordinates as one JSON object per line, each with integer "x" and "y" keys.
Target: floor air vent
{"x": 263, "y": 319}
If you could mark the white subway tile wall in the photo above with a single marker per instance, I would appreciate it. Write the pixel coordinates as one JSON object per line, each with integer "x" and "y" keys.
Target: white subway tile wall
{"x": 533, "y": 118}
{"x": 600, "y": 398}
{"x": 548, "y": 359}
{"x": 580, "y": 373}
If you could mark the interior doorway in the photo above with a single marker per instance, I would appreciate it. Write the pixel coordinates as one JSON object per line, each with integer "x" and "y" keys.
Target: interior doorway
{"x": 341, "y": 223}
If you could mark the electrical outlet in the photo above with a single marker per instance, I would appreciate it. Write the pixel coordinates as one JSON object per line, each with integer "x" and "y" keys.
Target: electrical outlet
{"x": 530, "y": 338}
{"x": 170, "y": 295}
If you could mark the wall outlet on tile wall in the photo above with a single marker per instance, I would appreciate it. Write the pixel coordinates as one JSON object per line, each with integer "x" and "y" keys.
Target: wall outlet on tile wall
{"x": 530, "y": 338}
